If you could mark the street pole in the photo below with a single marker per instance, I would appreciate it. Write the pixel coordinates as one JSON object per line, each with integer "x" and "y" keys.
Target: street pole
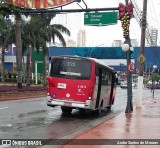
{"x": 129, "y": 107}
{"x": 125, "y": 14}
{"x": 153, "y": 82}
{"x": 141, "y": 66}
{"x": 154, "y": 77}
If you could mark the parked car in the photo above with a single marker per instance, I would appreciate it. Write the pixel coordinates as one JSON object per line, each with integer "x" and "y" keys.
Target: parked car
{"x": 124, "y": 84}
{"x": 134, "y": 85}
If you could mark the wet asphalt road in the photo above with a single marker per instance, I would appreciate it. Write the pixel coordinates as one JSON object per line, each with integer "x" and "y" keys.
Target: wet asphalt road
{"x": 32, "y": 119}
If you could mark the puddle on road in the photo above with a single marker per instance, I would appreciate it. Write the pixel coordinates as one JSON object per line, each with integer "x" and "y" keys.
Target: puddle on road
{"x": 32, "y": 113}
{"x": 5, "y": 127}
{"x": 151, "y": 116}
{"x": 36, "y": 122}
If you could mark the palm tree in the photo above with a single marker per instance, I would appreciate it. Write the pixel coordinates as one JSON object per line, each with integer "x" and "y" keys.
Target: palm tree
{"x": 11, "y": 38}
{"x": 27, "y": 41}
{"x": 7, "y": 9}
{"x": 19, "y": 50}
{"x": 4, "y": 29}
{"x": 44, "y": 32}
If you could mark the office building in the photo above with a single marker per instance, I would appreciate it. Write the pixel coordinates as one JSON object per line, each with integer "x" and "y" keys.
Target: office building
{"x": 71, "y": 43}
{"x": 70, "y": 20}
{"x": 117, "y": 43}
{"x": 81, "y": 38}
{"x": 151, "y": 36}
{"x": 134, "y": 43}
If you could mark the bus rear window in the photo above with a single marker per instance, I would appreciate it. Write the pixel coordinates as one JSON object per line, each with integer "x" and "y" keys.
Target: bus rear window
{"x": 71, "y": 68}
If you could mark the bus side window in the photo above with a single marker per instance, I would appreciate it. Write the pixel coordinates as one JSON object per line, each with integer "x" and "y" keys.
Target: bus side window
{"x": 97, "y": 75}
{"x": 109, "y": 78}
{"x": 104, "y": 77}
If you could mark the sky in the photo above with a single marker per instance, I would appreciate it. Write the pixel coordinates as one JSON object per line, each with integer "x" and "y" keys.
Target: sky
{"x": 107, "y": 34}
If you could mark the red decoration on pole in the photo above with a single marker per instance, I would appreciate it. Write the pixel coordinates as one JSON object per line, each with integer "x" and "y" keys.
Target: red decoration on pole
{"x": 125, "y": 14}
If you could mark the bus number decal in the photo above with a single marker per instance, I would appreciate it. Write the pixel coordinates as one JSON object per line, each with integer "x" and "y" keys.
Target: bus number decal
{"x": 81, "y": 86}
{"x": 71, "y": 64}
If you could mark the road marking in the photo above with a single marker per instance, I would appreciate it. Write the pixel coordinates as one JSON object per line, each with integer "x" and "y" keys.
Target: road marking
{"x": 4, "y": 108}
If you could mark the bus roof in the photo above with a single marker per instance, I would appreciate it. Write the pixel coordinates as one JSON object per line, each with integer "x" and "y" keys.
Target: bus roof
{"x": 103, "y": 64}
{"x": 99, "y": 61}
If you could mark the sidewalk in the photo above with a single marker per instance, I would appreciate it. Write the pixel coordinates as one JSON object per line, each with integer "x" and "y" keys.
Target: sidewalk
{"x": 141, "y": 125}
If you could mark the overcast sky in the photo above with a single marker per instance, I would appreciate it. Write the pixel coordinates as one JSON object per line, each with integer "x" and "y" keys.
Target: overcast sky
{"x": 106, "y": 34}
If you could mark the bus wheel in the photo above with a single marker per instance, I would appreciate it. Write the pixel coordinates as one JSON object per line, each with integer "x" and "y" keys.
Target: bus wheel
{"x": 66, "y": 110}
{"x": 100, "y": 108}
{"x": 82, "y": 111}
{"x": 109, "y": 107}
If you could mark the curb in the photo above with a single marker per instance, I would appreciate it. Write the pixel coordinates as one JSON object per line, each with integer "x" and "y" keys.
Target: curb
{"x": 20, "y": 98}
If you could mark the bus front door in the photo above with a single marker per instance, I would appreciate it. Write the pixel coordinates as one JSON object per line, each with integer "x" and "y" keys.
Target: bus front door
{"x": 98, "y": 86}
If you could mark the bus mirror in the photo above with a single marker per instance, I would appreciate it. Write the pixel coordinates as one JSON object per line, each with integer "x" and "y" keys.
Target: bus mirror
{"x": 116, "y": 80}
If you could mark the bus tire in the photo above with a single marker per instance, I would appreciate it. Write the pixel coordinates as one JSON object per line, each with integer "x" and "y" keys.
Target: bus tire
{"x": 100, "y": 108}
{"x": 66, "y": 110}
{"x": 109, "y": 107}
{"x": 82, "y": 111}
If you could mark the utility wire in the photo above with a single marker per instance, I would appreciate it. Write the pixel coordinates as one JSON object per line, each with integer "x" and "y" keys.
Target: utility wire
{"x": 137, "y": 14}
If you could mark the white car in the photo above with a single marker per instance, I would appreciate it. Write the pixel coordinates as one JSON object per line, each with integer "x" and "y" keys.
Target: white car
{"x": 124, "y": 84}
{"x": 134, "y": 85}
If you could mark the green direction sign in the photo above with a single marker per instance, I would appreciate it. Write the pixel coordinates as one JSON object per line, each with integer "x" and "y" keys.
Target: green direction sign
{"x": 100, "y": 18}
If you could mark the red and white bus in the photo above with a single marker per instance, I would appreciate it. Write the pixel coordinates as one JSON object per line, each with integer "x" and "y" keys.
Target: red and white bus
{"x": 80, "y": 83}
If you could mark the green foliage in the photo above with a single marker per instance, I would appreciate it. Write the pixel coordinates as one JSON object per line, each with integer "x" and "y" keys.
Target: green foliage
{"x": 8, "y": 8}
{"x": 10, "y": 74}
{"x": 36, "y": 33}
{"x": 11, "y": 80}
{"x": 154, "y": 77}
{"x": 34, "y": 81}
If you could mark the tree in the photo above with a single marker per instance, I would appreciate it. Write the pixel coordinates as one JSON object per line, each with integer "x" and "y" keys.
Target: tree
{"x": 27, "y": 42}
{"x": 44, "y": 32}
{"x": 41, "y": 33}
{"x": 5, "y": 10}
{"x": 19, "y": 50}
{"x": 4, "y": 30}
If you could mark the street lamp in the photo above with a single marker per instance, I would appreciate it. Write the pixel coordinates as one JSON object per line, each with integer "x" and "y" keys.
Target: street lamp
{"x": 90, "y": 55}
{"x": 153, "y": 80}
{"x": 128, "y": 48}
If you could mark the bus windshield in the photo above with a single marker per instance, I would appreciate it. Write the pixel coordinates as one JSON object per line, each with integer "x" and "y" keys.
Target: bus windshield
{"x": 71, "y": 68}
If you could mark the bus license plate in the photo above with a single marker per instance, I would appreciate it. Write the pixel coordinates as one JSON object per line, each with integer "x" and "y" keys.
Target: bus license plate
{"x": 67, "y": 103}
